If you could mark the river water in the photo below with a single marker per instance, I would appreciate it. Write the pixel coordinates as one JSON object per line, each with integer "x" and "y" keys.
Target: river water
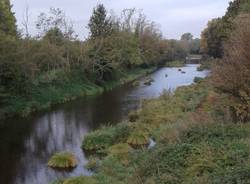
{"x": 26, "y": 144}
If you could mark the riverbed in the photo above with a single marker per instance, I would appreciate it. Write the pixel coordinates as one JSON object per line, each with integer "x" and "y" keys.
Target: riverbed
{"x": 26, "y": 144}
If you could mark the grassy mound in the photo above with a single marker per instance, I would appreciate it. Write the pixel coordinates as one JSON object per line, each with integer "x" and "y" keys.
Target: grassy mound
{"x": 63, "y": 160}
{"x": 80, "y": 180}
{"x": 138, "y": 139}
{"x": 101, "y": 139}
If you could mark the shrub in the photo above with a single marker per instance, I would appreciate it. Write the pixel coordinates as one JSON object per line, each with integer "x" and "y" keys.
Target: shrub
{"x": 63, "y": 160}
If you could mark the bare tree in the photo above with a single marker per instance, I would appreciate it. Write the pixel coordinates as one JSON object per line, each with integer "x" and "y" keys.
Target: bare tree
{"x": 25, "y": 22}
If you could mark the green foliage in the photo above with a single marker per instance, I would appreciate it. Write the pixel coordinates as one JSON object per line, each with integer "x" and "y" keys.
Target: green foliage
{"x": 232, "y": 74}
{"x": 119, "y": 149}
{"x": 93, "y": 163}
{"x": 63, "y": 160}
{"x": 102, "y": 139}
{"x": 198, "y": 79}
{"x": 176, "y": 63}
{"x": 7, "y": 19}
{"x": 219, "y": 30}
{"x": 55, "y": 67}
{"x": 57, "y": 182}
{"x": 138, "y": 139}
{"x": 80, "y": 180}
{"x": 99, "y": 23}
{"x": 213, "y": 37}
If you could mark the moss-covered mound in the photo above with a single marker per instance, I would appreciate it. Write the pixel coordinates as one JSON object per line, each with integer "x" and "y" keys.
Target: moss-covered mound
{"x": 63, "y": 160}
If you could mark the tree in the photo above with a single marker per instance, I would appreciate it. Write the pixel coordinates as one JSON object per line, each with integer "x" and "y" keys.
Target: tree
{"x": 187, "y": 37}
{"x": 7, "y": 19}
{"x": 213, "y": 37}
{"x": 219, "y": 30}
{"x": 55, "y": 20}
{"x": 232, "y": 74}
{"x": 100, "y": 24}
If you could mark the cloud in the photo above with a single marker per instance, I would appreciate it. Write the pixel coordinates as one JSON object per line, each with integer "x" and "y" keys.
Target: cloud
{"x": 174, "y": 16}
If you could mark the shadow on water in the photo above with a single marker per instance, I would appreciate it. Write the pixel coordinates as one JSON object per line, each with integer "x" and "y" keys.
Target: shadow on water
{"x": 27, "y": 143}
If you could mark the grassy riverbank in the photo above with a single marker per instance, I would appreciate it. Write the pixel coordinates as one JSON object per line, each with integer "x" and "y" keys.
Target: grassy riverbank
{"x": 196, "y": 142}
{"x": 68, "y": 88}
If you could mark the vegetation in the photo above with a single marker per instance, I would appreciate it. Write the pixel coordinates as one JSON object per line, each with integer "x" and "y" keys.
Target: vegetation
{"x": 201, "y": 131}
{"x": 175, "y": 64}
{"x": 100, "y": 140}
{"x": 232, "y": 74}
{"x": 55, "y": 66}
{"x": 63, "y": 160}
{"x": 80, "y": 180}
{"x": 197, "y": 142}
{"x": 219, "y": 30}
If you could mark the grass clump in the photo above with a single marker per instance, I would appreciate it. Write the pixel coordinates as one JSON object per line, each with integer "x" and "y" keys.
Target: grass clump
{"x": 138, "y": 139}
{"x": 80, "y": 180}
{"x": 63, "y": 160}
{"x": 101, "y": 139}
{"x": 120, "y": 149}
{"x": 93, "y": 163}
{"x": 198, "y": 79}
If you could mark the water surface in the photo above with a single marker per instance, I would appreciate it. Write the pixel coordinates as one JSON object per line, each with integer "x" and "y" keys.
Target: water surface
{"x": 26, "y": 144}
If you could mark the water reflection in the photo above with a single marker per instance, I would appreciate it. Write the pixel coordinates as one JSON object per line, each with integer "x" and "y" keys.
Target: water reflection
{"x": 26, "y": 144}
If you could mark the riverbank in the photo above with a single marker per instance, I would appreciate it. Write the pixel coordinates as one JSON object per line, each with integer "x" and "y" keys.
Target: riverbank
{"x": 46, "y": 95}
{"x": 196, "y": 142}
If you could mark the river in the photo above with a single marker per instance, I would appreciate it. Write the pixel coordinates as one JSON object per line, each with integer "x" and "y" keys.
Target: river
{"x": 26, "y": 144}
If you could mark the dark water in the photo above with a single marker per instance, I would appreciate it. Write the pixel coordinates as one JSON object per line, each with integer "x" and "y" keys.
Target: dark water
{"x": 26, "y": 144}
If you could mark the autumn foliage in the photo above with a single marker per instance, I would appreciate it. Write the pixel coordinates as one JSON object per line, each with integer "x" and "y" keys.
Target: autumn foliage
{"x": 232, "y": 74}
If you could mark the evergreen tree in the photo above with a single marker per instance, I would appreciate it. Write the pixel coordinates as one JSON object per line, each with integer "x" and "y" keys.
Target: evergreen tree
{"x": 7, "y": 19}
{"x": 99, "y": 23}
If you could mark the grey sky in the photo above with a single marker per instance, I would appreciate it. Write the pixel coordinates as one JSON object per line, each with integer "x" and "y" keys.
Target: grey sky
{"x": 174, "y": 16}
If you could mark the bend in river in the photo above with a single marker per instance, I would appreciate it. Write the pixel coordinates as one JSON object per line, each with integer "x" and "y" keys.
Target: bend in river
{"x": 26, "y": 144}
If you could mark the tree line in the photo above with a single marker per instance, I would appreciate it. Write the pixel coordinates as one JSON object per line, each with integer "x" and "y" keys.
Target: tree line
{"x": 115, "y": 43}
{"x": 228, "y": 40}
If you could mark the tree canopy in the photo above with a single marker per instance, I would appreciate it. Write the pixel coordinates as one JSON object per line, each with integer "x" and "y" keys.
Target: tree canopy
{"x": 99, "y": 23}
{"x": 7, "y": 19}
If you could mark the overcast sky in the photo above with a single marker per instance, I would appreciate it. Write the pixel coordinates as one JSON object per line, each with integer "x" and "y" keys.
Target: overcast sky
{"x": 174, "y": 16}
